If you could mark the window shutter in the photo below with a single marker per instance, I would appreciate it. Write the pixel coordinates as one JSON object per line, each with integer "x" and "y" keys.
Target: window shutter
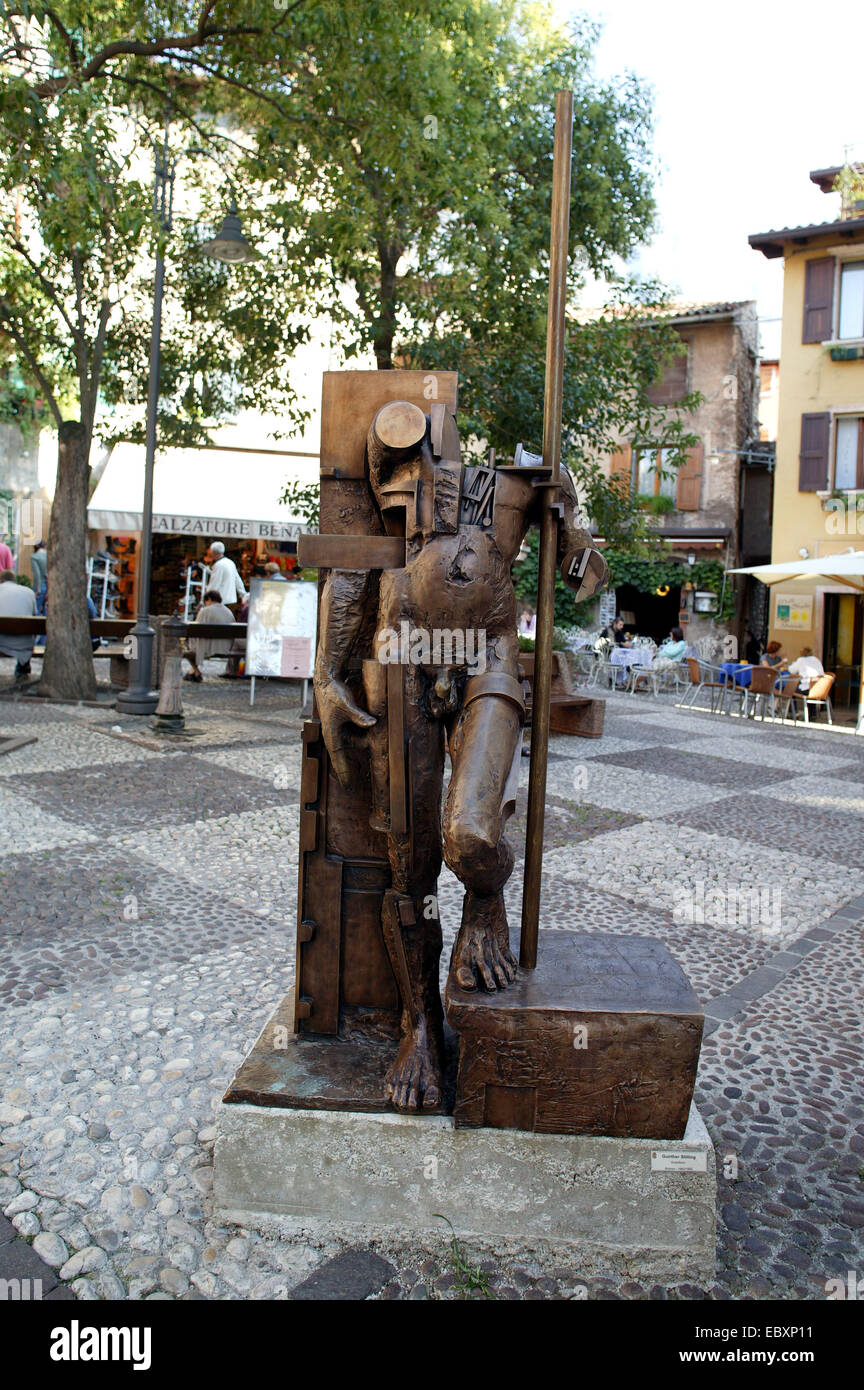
{"x": 672, "y": 386}
{"x": 813, "y": 459}
{"x": 619, "y": 463}
{"x": 688, "y": 492}
{"x": 818, "y": 300}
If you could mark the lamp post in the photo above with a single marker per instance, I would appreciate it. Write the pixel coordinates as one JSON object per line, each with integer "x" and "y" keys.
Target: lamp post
{"x": 231, "y": 247}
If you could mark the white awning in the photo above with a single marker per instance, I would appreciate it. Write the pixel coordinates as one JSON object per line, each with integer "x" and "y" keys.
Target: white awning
{"x": 845, "y": 567}
{"x": 215, "y": 493}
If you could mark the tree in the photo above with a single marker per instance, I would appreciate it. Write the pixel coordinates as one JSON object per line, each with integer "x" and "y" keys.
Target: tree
{"x": 82, "y": 105}
{"x": 422, "y": 182}
{"x": 402, "y": 155}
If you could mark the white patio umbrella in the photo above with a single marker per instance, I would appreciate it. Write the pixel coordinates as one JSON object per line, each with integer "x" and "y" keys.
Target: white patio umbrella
{"x": 846, "y": 568}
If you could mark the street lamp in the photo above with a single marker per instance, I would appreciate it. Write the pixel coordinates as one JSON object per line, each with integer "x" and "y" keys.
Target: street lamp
{"x": 230, "y": 246}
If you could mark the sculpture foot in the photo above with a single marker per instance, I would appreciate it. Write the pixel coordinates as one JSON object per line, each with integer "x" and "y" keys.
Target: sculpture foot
{"x": 414, "y": 1082}
{"x": 481, "y": 957}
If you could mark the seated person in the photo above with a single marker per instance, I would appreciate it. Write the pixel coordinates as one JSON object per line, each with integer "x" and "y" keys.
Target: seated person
{"x": 198, "y": 649}
{"x": 774, "y": 655}
{"x": 808, "y": 668}
{"x": 672, "y": 650}
{"x": 616, "y": 633}
{"x": 16, "y": 601}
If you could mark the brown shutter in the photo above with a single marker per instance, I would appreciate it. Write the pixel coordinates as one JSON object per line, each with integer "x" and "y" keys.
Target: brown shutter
{"x": 818, "y": 300}
{"x": 672, "y": 386}
{"x": 813, "y": 459}
{"x": 689, "y": 489}
{"x": 619, "y": 463}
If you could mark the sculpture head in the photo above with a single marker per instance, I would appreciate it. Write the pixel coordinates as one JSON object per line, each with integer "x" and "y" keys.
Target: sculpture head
{"x": 396, "y": 435}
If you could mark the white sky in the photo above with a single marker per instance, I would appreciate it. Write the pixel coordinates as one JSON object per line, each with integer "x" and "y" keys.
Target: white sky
{"x": 749, "y": 96}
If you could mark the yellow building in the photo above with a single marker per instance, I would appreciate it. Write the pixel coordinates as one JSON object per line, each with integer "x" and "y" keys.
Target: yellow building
{"x": 819, "y": 482}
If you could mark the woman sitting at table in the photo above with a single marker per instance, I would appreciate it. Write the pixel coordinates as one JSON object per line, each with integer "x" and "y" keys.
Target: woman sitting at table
{"x": 774, "y": 655}
{"x": 671, "y": 652}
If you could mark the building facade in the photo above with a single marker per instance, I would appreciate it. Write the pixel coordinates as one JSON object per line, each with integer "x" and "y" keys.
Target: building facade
{"x": 819, "y": 485}
{"x": 702, "y": 513}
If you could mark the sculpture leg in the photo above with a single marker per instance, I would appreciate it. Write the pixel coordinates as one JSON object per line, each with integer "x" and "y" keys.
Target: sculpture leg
{"x": 409, "y": 919}
{"x": 484, "y": 742}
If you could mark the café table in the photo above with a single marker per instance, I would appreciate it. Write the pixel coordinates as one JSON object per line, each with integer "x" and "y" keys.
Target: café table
{"x": 737, "y": 672}
{"x": 625, "y": 657}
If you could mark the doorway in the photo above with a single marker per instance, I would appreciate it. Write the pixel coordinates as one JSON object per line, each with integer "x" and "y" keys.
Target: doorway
{"x": 649, "y": 615}
{"x": 841, "y": 645}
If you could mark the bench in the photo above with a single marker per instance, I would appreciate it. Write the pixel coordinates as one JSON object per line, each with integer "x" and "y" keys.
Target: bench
{"x": 569, "y": 712}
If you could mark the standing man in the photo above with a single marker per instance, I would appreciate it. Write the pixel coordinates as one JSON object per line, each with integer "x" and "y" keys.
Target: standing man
{"x": 225, "y": 577}
{"x": 39, "y": 571}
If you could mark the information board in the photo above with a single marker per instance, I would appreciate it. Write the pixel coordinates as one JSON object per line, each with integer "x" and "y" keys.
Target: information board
{"x": 280, "y": 637}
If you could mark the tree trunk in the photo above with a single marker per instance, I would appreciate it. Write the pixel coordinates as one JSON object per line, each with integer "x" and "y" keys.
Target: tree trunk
{"x": 384, "y": 327}
{"x": 67, "y": 670}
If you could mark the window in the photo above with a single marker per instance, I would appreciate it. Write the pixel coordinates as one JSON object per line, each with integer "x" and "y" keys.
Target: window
{"x": 851, "y": 318}
{"x": 672, "y": 385}
{"x": 849, "y": 453}
{"x": 647, "y": 478}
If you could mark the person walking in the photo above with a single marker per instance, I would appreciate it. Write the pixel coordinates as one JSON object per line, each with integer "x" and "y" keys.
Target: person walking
{"x": 225, "y": 577}
{"x": 39, "y": 571}
{"x": 16, "y": 601}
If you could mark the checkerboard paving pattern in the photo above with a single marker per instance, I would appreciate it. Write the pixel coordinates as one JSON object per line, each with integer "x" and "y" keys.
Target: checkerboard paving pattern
{"x": 148, "y": 896}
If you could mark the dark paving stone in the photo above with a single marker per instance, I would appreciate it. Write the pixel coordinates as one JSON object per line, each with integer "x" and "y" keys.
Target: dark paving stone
{"x": 758, "y": 983}
{"x": 64, "y": 919}
{"x": 782, "y": 960}
{"x": 696, "y": 767}
{"x": 781, "y": 825}
{"x": 19, "y": 1261}
{"x": 7, "y": 1230}
{"x": 353, "y": 1276}
{"x": 848, "y": 772}
{"x": 62, "y": 1294}
{"x": 803, "y": 946}
{"x": 567, "y": 823}
{"x": 199, "y": 791}
{"x": 723, "y": 1007}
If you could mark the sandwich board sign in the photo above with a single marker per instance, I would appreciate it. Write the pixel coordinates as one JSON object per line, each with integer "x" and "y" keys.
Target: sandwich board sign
{"x": 281, "y": 629}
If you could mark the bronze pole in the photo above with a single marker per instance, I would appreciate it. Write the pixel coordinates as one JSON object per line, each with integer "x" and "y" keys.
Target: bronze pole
{"x": 552, "y": 400}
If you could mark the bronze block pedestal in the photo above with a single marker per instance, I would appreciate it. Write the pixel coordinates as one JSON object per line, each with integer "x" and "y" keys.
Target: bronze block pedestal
{"x": 602, "y": 1038}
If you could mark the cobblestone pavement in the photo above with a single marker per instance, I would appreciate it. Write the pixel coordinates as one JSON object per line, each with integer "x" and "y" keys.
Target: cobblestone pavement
{"x": 147, "y": 900}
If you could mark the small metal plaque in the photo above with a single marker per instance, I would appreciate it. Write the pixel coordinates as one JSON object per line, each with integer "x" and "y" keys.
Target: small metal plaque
{"x": 678, "y": 1161}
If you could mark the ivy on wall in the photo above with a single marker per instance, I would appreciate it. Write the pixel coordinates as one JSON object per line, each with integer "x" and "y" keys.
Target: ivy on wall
{"x": 646, "y": 575}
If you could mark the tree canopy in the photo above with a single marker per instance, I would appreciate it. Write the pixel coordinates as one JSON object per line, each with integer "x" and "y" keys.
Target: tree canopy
{"x": 393, "y": 161}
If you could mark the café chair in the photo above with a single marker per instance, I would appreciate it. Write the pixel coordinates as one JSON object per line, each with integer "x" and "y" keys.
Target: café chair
{"x": 785, "y": 693}
{"x": 818, "y": 694}
{"x": 760, "y": 691}
{"x": 698, "y": 682}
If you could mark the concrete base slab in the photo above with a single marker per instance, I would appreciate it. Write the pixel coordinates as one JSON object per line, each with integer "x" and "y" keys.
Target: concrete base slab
{"x": 639, "y": 1208}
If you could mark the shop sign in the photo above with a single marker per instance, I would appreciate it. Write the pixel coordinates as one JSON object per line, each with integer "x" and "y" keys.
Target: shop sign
{"x": 219, "y": 527}
{"x": 794, "y": 611}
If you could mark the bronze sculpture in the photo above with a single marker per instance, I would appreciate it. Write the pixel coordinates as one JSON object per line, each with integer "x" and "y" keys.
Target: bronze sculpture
{"x": 462, "y": 530}
{"x": 417, "y": 651}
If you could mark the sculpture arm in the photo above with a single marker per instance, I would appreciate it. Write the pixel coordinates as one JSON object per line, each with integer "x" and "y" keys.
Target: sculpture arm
{"x": 342, "y": 609}
{"x": 582, "y": 566}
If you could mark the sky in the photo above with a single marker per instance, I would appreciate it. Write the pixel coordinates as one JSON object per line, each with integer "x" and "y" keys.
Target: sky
{"x": 749, "y": 96}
